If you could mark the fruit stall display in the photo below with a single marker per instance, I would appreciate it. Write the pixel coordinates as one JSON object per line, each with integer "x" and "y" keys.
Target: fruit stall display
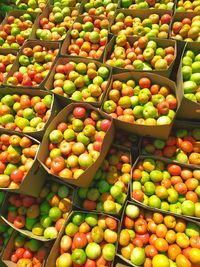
{"x": 16, "y": 29}
{"x": 155, "y": 239}
{"x": 100, "y": 133}
{"x": 79, "y": 80}
{"x": 88, "y": 239}
{"x": 109, "y": 189}
{"x": 42, "y": 217}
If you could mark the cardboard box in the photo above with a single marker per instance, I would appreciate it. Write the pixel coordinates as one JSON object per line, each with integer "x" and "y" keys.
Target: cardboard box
{"x": 67, "y": 40}
{"x": 10, "y": 248}
{"x": 65, "y": 60}
{"x": 178, "y": 124}
{"x": 31, "y": 92}
{"x": 179, "y": 16}
{"x": 188, "y": 110}
{"x": 16, "y": 65}
{"x": 5, "y": 52}
{"x": 55, "y": 251}
{"x": 149, "y": 211}
{"x": 158, "y": 131}
{"x": 84, "y": 179}
{"x": 17, "y": 13}
{"x": 35, "y": 176}
{"x": 77, "y": 200}
{"x": 26, "y": 232}
{"x": 139, "y": 13}
{"x": 166, "y": 162}
{"x": 44, "y": 14}
{"x": 131, "y": 39}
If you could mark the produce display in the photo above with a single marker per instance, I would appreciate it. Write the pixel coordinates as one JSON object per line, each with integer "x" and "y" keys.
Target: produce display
{"x": 88, "y": 37}
{"x": 34, "y": 65}
{"x": 99, "y": 104}
{"x": 154, "y": 239}
{"x": 191, "y": 75}
{"x": 88, "y": 239}
{"x": 142, "y": 54}
{"x": 140, "y": 102}
{"x": 5, "y": 232}
{"x": 24, "y": 113}
{"x": 28, "y": 251}
{"x": 31, "y": 5}
{"x": 81, "y": 81}
{"x": 182, "y": 145}
{"x": 75, "y": 144}
{"x": 154, "y": 25}
{"x": 187, "y": 29}
{"x": 140, "y": 4}
{"x": 166, "y": 186}
{"x": 109, "y": 189}
{"x": 17, "y": 155}
{"x": 101, "y": 9}
{"x": 6, "y": 62}
{"x": 189, "y": 6}
{"x": 16, "y": 30}
{"x": 54, "y": 27}
{"x": 43, "y": 216}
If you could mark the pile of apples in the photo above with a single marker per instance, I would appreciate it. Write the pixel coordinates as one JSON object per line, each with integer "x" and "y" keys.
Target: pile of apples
{"x": 54, "y": 27}
{"x": 187, "y": 29}
{"x": 17, "y": 155}
{"x": 76, "y": 144}
{"x": 5, "y": 232}
{"x": 154, "y": 239}
{"x": 154, "y": 25}
{"x": 127, "y": 140}
{"x": 24, "y": 113}
{"x": 66, "y": 3}
{"x": 43, "y": 216}
{"x": 109, "y": 189}
{"x": 32, "y": 5}
{"x": 34, "y": 66}
{"x": 88, "y": 240}
{"x": 140, "y": 102}
{"x": 16, "y": 31}
{"x": 28, "y": 251}
{"x": 88, "y": 37}
{"x": 189, "y": 6}
{"x": 101, "y": 9}
{"x": 141, "y": 4}
{"x": 191, "y": 75}
{"x": 168, "y": 187}
{"x": 83, "y": 81}
{"x": 143, "y": 54}
{"x": 6, "y": 62}
{"x": 182, "y": 145}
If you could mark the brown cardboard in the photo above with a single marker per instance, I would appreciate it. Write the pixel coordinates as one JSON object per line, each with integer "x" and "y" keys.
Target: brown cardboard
{"x": 84, "y": 179}
{"x": 179, "y": 16}
{"x": 54, "y": 105}
{"x": 16, "y": 65}
{"x": 178, "y": 124}
{"x": 131, "y": 39}
{"x": 67, "y": 40}
{"x": 9, "y": 250}
{"x": 17, "y": 13}
{"x": 142, "y": 15}
{"x": 166, "y": 161}
{"x": 77, "y": 200}
{"x": 44, "y": 14}
{"x": 188, "y": 110}
{"x": 158, "y": 131}
{"x": 67, "y": 59}
{"x": 23, "y": 231}
{"x": 36, "y": 174}
{"x": 54, "y": 253}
